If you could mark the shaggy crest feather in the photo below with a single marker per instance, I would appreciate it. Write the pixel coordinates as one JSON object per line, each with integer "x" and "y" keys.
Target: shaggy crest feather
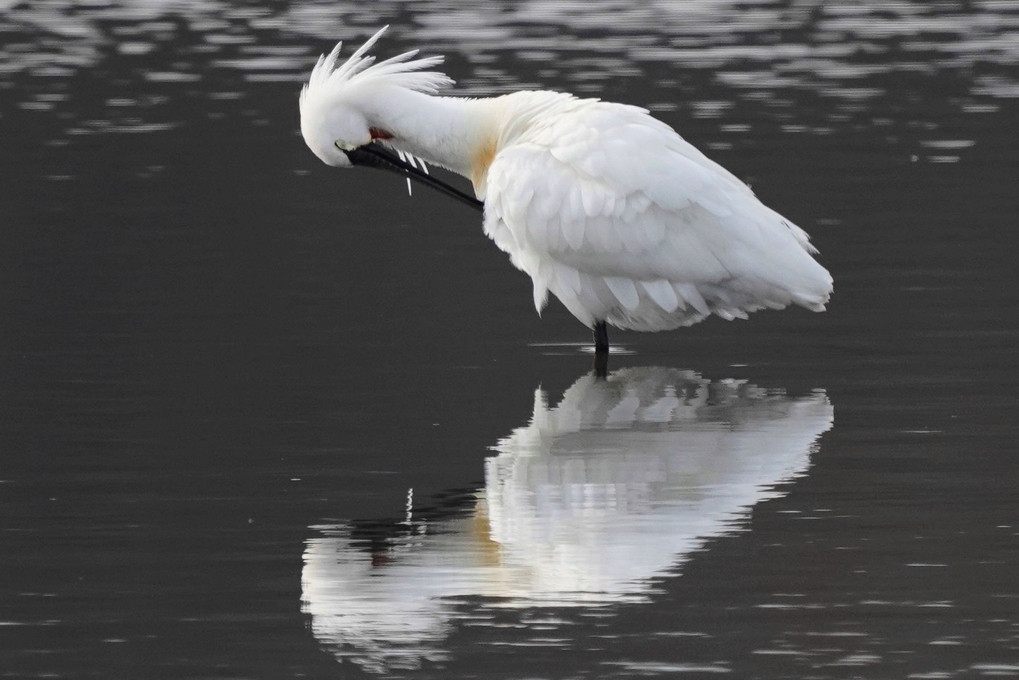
{"x": 327, "y": 79}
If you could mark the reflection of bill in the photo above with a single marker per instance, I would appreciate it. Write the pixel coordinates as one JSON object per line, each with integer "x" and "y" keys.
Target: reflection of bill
{"x": 587, "y": 504}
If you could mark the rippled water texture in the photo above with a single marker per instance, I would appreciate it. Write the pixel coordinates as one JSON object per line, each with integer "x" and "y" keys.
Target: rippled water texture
{"x": 262, "y": 418}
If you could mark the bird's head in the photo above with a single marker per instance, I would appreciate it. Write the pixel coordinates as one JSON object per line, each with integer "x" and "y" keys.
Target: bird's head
{"x": 333, "y": 102}
{"x": 337, "y": 98}
{"x": 332, "y": 132}
{"x": 336, "y": 106}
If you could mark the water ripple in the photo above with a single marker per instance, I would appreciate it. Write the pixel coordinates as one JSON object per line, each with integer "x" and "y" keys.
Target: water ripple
{"x": 862, "y": 58}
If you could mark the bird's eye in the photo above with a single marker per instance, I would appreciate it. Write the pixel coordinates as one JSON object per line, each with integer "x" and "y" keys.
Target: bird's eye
{"x": 344, "y": 146}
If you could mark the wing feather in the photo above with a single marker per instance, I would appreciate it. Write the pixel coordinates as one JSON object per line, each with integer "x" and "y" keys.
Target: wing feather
{"x": 624, "y": 290}
{"x": 662, "y": 293}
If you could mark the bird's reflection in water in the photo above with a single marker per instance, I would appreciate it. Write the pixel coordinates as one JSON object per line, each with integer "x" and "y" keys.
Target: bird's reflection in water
{"x": 587, "y": 505}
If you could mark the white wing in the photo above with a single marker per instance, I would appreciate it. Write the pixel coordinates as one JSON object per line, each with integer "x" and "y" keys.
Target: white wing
{"x": 627, "y": 222}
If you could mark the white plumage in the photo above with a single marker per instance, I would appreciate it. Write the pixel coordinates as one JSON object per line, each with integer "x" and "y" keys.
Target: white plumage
{"x": 599, "y": 203}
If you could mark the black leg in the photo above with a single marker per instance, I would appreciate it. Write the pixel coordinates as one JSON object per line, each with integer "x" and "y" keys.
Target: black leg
{"x": 601, "y": 350}
{"x": 601, "y": 338}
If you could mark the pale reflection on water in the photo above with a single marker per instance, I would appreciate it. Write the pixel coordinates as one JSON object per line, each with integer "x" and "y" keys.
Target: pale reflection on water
{"x": 587, "y": 505}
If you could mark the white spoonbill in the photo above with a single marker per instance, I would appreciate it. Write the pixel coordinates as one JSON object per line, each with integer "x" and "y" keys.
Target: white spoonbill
{"x": 601, "y": 204}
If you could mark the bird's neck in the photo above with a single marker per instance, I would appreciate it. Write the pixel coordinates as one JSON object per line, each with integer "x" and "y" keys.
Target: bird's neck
{"x": 452, "y": 132}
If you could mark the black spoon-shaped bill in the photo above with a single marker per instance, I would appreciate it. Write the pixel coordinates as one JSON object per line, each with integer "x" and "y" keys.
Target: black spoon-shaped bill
{"x": 377, "y": 156}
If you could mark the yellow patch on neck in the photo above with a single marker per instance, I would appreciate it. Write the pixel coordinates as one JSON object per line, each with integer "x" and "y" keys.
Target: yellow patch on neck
{"x": 479, "y": 165}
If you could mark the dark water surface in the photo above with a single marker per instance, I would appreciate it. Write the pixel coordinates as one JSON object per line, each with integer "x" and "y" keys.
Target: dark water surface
{"x": 263, "y": 419}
